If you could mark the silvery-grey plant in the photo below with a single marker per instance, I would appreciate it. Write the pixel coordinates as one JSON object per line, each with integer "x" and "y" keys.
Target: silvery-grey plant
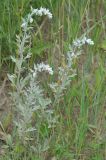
{"x": 28, "y": 95}
{"x": 67, "y": 72}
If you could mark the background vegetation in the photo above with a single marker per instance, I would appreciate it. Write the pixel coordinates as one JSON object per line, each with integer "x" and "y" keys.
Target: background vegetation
{"x": 80, "y": 133}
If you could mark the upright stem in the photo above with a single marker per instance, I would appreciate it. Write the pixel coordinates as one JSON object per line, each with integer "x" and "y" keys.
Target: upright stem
{"x": 21, "y": 59}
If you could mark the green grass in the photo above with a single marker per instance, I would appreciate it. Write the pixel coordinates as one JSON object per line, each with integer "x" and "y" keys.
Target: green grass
{"x": 81, "y": 131}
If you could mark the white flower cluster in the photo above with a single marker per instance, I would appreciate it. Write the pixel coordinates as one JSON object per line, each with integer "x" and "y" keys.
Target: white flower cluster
{"x": 41, "y": 12}
{"x": 42, "y": 67}
{"x": 82, "y": 41}
{"x": 37, "y": 12}
{"x": 75, "y": 48}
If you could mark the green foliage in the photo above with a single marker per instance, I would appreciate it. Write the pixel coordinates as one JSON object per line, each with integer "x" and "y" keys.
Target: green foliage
{"x": 79, "y": 106}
